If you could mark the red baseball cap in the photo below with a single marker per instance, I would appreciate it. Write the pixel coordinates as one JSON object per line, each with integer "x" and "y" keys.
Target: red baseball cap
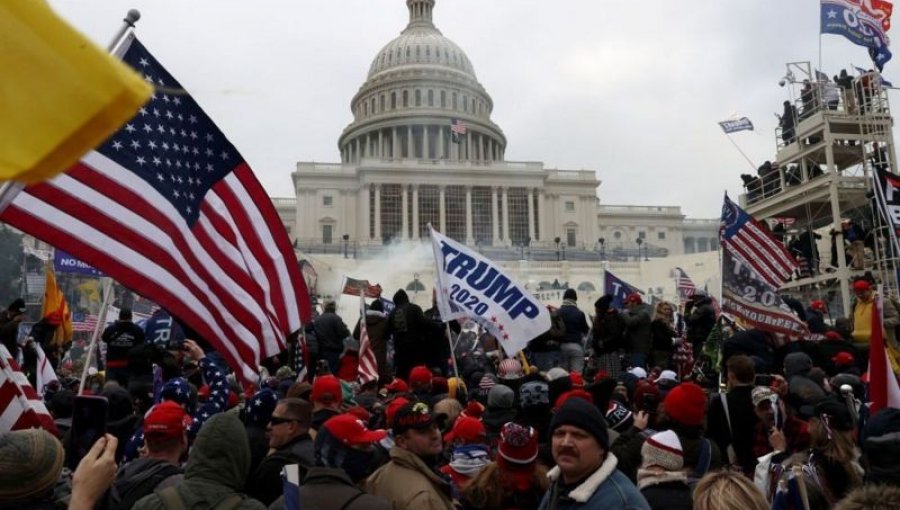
{"x": 397, "y": 386}
{"x": 392, "y": 408}
{"x": 351, "y": 431}
{"x": 819, "y": 305}
{"x": 861, "y": 286}
{"x": 634, "y": 297}
{"x": 468, "y": 430}
{"x": 327, "y": 389}
{"x": 843, "y": 358}
{"x": 166, "y": 420}
{"x": 420, "y": 375}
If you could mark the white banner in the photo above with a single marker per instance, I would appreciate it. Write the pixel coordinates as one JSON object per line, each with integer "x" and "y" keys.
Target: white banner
{"x": 470, "y": 285}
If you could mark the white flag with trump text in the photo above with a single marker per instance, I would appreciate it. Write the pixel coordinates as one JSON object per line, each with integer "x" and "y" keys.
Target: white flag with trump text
{"x": 470, "y": 285}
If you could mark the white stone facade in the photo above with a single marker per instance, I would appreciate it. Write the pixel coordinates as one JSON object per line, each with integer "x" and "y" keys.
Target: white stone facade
{"x": 400, "y": 169}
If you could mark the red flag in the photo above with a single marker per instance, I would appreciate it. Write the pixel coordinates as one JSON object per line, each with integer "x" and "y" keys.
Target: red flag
{"x": 368, "y": 365}
{"x": 883, "y": 388}
{"x": 21, "y": 406}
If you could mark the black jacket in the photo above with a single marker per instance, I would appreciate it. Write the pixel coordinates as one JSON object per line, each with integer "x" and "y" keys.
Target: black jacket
{"x": 575, "y": 321}
{"x": 331, "y": 332}
{"x": 743, "y": 426}
{"x": 120, "y": 338}
{"x": 668, "y": 496}
{"x": 265, "y": 483}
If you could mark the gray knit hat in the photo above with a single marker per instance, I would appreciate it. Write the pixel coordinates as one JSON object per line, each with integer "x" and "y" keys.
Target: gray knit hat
{"x": 30, "y": 464}
{"x": 501, "y": 397}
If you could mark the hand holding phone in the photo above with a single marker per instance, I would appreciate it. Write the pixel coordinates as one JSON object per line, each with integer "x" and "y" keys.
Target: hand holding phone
{"x": 89, "y": 414}
{"x": 95, "y": 473}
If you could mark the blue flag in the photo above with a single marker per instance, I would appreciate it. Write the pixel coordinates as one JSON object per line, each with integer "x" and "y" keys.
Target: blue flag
{"x": 863, "y": 25}
{"x": 618, "y": 288}
{"x": 732, "y": 126}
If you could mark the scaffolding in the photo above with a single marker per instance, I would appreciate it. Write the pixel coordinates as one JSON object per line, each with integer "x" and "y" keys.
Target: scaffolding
{"x": 830, "y": 141}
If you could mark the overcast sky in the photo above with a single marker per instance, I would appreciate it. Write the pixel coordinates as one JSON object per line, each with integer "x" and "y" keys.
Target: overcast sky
{"x": 632, "y": 90}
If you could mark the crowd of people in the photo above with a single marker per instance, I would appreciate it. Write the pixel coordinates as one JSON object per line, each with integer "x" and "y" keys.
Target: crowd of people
{"x": 639, "y": 407}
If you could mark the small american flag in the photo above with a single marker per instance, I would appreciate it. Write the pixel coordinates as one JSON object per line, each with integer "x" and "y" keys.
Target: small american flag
{"x": 457, "y": 128}
{"x": 368, "y": 365}
{"x": 751, "y": 242}
{"x": 21, "y": 405}
{"x": 684, "y": 285}
{"x": 84, "y": 322}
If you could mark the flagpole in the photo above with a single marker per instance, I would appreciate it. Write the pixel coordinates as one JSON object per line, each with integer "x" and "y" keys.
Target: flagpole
{"x": 127, "y": 22}
{"x": 101, "y": 320}
{"x": 749, "y": 161}
{"x": 453, "y": 352}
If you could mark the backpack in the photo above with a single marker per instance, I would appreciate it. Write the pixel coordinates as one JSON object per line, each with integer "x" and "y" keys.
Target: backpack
{"x": 171, "y": 500}
{"x": 124, "y": 493}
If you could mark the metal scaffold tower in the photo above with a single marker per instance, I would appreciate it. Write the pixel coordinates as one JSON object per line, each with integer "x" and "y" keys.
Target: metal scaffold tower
{"x": 831, "y": 138}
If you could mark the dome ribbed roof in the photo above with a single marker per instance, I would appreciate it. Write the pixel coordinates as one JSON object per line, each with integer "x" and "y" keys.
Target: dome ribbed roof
{"x": 421, "y": 43}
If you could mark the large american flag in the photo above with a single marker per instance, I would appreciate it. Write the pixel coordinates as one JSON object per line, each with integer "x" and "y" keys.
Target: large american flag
{"x": 745, "y": 237}
{"x": 84, "y": 321}
{"x": 167, "y": 207}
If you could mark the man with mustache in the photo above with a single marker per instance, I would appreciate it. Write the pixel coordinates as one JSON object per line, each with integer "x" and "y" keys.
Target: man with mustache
{"x": 585, "y": 476}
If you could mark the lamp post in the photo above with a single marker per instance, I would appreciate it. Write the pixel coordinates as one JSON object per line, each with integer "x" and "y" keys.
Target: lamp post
{"x": 416, "y": 280}
{"x": 346, "y": 238}
{"x": 556, "y": 240}
{"x": 646, "y": 250}
{"x": 526, "y": 244}
{"x": 639, "y": 242}
{"x": 602, "y": 242}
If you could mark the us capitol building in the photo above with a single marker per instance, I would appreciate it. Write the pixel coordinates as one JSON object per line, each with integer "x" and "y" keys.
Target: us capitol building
{"x": 422, "y": 148}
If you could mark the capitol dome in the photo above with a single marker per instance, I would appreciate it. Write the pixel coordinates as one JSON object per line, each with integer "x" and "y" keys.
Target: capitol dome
{"x": 418, "y": 86}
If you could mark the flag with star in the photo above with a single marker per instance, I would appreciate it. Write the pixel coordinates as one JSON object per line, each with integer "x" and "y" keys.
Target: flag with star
{"x": 864, "y": 23}
{"x": 169, "y": 208}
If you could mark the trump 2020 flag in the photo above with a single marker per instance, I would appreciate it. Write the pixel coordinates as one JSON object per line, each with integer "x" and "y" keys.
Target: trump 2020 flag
{"x": 618, "y": 288}
{"x": 470, "y": 285}
{"x": 864, "y": 23}
{"x": 733, "y": 126}
{"x": 169, "y": 208}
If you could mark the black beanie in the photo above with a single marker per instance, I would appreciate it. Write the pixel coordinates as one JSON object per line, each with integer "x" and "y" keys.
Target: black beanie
{"x": 584, "y": 415}
{"x": 570, "y": 294}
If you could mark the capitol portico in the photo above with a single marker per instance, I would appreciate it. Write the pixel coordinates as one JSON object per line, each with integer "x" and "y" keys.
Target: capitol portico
{"x": 422, "y": 149}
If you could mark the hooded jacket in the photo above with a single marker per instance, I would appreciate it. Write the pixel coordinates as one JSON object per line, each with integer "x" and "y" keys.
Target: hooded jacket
{"x": 331, "y": 489}
{"x": 638, "y": 332}
{"x": 217, "y": 468}
{"x": 409, "y": 484}
{"x": 605, "y": 488}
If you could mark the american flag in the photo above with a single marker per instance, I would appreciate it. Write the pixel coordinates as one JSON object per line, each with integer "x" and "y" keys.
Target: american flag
{"x": 457, "y": 128}
{"x": 167, "y": 207}
{"x": 84, "y": 322}
{"x": 21, "y": 406}
{"x": 368, "y": 365}
{"x": 683, "y": 284}
{"x": 751, "y": 242}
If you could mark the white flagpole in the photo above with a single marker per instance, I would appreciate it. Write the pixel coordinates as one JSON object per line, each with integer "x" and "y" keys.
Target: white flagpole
{"x": 750, "y": 162}
{"x": 101, "y": 321}
{"x": 452, "y": 351}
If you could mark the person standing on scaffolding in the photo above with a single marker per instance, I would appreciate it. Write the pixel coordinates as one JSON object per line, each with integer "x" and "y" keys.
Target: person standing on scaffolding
{"x": 788, "y": 122}
{"x": 855, "y": 236}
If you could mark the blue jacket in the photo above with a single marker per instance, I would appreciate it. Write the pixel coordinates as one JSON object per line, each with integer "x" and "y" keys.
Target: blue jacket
{"x": 575, "y": 321}
{"x": 606, "y": 489}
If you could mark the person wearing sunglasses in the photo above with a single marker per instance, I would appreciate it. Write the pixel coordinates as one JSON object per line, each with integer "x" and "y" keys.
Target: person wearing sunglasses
{"x": 289, "y": 443}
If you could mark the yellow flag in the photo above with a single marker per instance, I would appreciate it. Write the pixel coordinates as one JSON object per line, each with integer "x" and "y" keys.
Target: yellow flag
{"x": 60, "y": 95}
{"x": 56, "y": 310}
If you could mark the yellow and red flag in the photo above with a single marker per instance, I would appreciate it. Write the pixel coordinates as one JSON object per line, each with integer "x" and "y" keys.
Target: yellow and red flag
{"x": 56, "y": 310}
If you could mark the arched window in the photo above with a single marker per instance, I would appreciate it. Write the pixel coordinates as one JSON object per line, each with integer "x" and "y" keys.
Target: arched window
{"x": 393, "y": 100}
{"x": 430, "y": 98}
{"x": 437, "y": 52}
{"x": 418, "y": 97}
{"x": 443, "y": 99}
{"x": 365, "y": 108}
{"x": 473, "y": 105}
{"x": 418, "y": 52}
{"x": 465, "y": 103}
{"x": 405, "y": 98}
{"x": 453, "y": 101}
{"x": 408, "y": 52}
{"x": 428, "y": 51}
{"x": 381, "y": 105}
{"x": 372, "y": 107}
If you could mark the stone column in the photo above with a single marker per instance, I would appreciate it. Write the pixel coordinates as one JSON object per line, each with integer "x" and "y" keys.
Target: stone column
{"x": 530, "y": 198}
{"x": 495, "y": 218}
{"x": 440, "y": 143}
{"x": 378, "y": 237}
{"x": 480, "y": 147}
{"x": 469, "y": 155}
{"x": 469, "y": 239}
{"x": 410, "y": 143}
{"x": 365, "y": 234}
{"x": 395, "y": 143}
{"x": 425, "y": 133}
{"x": 356, "y": 149}
{"x": 506, "y": 237}
{"x": 380, "y": 152}
{"x": 541, "y": 215}
{"x": 404, "y": 219}
{"x": 442, "y": 208}
{"x": 415, "y": 212}
{"x": 367, "y": 149}
{"x": 490, "y": 149}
